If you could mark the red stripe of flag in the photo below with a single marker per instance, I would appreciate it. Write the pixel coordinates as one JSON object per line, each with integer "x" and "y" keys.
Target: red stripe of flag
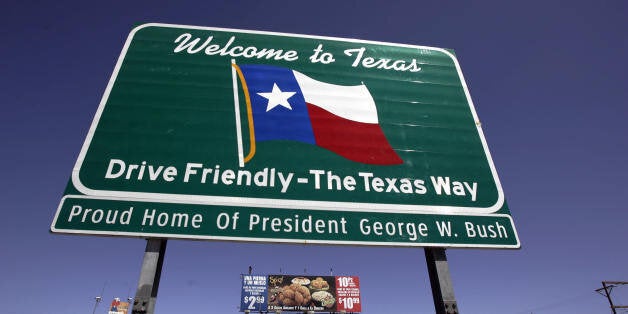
{"x": 357, "y": 141}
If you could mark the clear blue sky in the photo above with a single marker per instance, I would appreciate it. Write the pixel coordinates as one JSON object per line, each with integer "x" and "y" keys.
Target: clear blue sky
{"x": 548, "y": 79}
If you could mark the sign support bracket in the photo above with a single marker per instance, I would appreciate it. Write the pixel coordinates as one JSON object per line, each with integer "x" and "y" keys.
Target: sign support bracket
{"x": 440, "y": 281}
{"x": 146, "y": 294}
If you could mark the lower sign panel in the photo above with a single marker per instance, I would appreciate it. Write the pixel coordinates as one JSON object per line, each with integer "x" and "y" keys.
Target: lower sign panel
{"x": 83, "y": 215}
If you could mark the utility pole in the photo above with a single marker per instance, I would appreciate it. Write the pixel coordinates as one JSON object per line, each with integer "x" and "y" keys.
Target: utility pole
{"x": 607, "y": 287}
{"x": 99, "y": 298}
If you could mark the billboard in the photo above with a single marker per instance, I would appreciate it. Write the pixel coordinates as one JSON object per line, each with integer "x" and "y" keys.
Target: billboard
{"x": 118, "y": 307}
{"x": 300, "y": 293}
{"x": 223, "y": 134}
{"x": 254, "y": 297}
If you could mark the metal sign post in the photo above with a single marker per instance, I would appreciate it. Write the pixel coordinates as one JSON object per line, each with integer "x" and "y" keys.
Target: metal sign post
{"x": 440, "y": 280}
{"x": 146, "y": 294}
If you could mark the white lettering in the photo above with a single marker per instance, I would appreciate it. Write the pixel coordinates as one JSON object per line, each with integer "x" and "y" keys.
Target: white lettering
{"x": 285, "y": 181}
{"x": 399, "y": 229}
{"x": 190, "y": 169}
{"x": 444, "y": 228}
{"x": 380, "y": 63}
{"x": 112, "y": 164}
{"x": 473, "y": 190}
{"x": 231, "y": 49}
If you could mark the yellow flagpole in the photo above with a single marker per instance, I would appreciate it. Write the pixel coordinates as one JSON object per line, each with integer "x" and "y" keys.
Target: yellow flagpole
{"x": 249, "y": 111}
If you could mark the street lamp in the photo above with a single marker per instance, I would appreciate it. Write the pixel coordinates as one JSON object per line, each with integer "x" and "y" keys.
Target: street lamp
{"x": 98, "y": 300}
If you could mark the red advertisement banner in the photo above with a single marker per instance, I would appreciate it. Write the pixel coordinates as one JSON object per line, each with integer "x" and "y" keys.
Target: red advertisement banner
{"x": 348, "y": 294}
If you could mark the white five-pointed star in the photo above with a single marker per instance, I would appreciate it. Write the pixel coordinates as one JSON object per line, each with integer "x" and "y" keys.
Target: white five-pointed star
{"x": 277, "y": 98}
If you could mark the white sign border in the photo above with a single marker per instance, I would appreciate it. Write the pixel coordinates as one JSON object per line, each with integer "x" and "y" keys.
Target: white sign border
{"x": 145, "y": 235}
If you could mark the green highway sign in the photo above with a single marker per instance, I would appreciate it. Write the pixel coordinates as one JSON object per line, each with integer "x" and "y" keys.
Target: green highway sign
{"x": 209, "y": 133}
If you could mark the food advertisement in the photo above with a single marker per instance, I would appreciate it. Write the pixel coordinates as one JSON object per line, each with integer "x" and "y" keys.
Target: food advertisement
{"x": 298, "y": 293}
{"x": 254, "y": 293}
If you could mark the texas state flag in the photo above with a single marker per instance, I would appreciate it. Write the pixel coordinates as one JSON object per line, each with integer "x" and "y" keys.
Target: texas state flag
{"x": 288, "y": 105}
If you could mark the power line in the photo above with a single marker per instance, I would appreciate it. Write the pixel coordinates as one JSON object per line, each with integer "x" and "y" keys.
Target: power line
{"x": 553, "y": 305}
